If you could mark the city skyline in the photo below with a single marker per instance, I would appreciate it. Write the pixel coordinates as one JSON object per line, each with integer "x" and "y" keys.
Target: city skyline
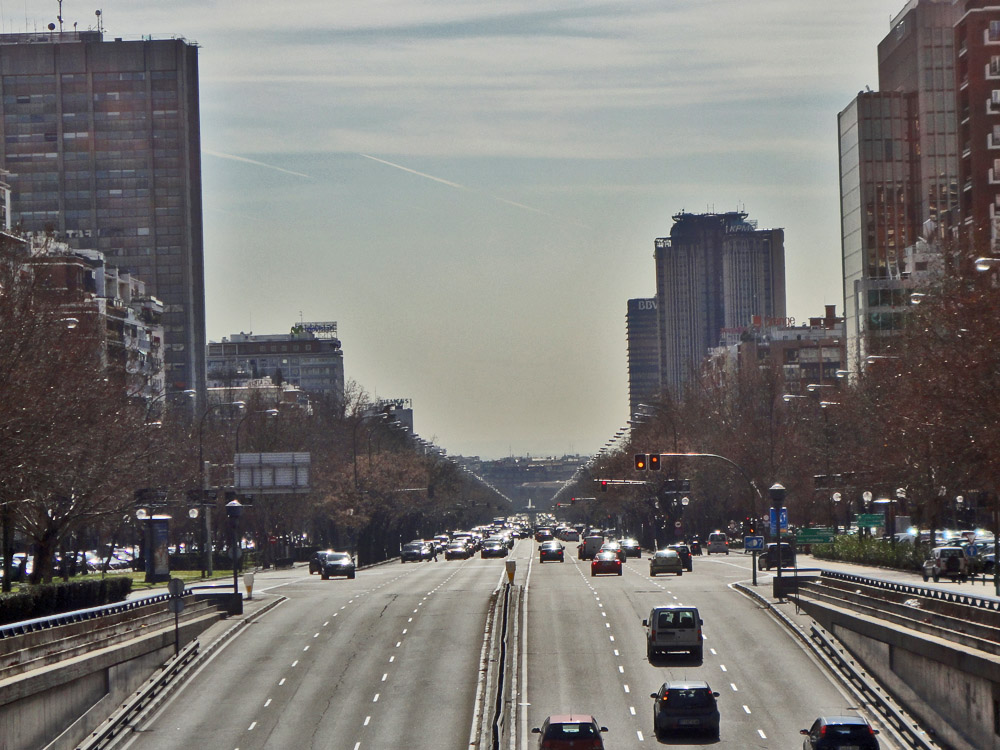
{"x": 473, "y": 193}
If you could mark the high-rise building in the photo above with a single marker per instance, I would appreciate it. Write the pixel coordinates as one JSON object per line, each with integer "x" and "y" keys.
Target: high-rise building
{"x": 714, "y": 272}
{"x": 898, "y": 170}
{"x": 642, "y": 334}
{"x": 102, "y": 145}
{"x": 978, "y": 81}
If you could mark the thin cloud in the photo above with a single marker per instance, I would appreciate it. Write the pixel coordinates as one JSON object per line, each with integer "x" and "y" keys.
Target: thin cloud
{"x": 413, "y": 171}
{"x": 233, "y": 157}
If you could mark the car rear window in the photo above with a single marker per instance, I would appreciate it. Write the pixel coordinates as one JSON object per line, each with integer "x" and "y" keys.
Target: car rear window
{"x": 673, "y": 620}
{"x": 570, "y": 731}
{"x": 853, "y": 731}
{"x": 690, "y": 697}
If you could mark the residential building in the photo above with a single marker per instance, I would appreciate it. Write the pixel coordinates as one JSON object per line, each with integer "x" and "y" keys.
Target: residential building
{"x": 977, "y": 36}
{"x": 642, "y": 334}
{"x": 102, "y": 147}
{"x": 714, "y": 272}
{"x": 309, "y": 357}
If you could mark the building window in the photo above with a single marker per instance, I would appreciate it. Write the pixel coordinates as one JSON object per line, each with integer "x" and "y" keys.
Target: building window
{"x": 994, "y": 31}
{"x": 994, "y": 66}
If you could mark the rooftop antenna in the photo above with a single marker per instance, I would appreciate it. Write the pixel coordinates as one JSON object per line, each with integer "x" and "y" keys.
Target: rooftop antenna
{"x": 59, "y": 17}
{"x": 100, "y": 25}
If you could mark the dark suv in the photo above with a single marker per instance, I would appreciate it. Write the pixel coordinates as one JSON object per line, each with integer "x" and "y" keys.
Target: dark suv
{"x": 687, "y": 705}
{"x": 769, "y": 559}
{"x": 684, "y": 553}
{"x": 337, "y": 564}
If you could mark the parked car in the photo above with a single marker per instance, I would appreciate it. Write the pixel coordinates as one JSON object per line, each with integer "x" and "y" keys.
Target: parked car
{"x": 687, "y": 705}
{"x": 684, "y": 553}
{"x": 552, "y": 550}
{"x": 674, "y": 627}
{"x": 337, "y": 564}
{"x": 840, "y": 733}
{"x": 606, "y": 561}
{"x": 665, "y": 561}
{"x": 570, "y": 732}
{"x": 769, "y": 559}
{"x": 631, "y": 547}
{"x": 949, "y": 562}
{"x": 718, "y": 543}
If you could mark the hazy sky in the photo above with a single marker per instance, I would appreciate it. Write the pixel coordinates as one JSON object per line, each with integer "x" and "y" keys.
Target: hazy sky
{"x": 472, "y": 190}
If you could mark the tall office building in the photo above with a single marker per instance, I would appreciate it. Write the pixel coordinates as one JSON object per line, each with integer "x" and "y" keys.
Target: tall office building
{"x": 898, "y": 170}
{"x": 102, "y": 143}
{"x": 714, "y": 272}
{"x": 642, "y": 334}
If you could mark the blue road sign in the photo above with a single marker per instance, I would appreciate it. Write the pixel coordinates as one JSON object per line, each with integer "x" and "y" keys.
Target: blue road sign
{"x": 753, "y": 543}
{"x": 784, "y": 519}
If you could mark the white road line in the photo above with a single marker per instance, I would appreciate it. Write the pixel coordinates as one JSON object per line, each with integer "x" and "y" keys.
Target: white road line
{"x": 267, "y": 703}
{"x": 723, "y": 667}
{"x": 375, "y": 699}
{"x": 746, "y": 708}
{"x": 761, "y": 733}
{"x": 316, "y": 636}
{"x": 611, "y": 636}
{"x": 398, "y": 644}
{"x": 616, "y": 653}
{"x": 281, "y": 682}
{"x": 621, "y": 669}
{"x": 404, "y": 631}
{"x": 631, "y": 710}
{"x": 357, "y": 745}
{"x": 733, "y": 686}
{"x": 367, "y": 719}
{"x": 295, "y": 663}
{"x": 626, "y": 688}
{"x": 712, "y": 650}
{"x": 326, "y": 623}
{"x": 385, "y": 677}
{"x": 392, "y": 659}
{"x": 252, "y": 725}
{"x": 306, "y": 648}
{"x": 639, "y": 735}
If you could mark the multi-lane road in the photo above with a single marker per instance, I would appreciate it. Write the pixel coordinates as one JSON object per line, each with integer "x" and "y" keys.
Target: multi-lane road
{"x": 396, "y": 658}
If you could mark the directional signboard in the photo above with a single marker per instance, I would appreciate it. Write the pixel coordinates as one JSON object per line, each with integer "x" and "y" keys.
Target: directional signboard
{"x": 870, "y": 520}
{"x": 753, "y": 543}
{"x": 814, "y": 536}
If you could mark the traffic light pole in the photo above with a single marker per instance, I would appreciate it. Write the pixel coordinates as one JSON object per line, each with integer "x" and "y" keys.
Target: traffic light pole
{"x": 754, "y": 492}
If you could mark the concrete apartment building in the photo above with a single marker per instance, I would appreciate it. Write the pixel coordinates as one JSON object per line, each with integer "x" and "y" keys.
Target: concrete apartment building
{"x": 714, "y": 272}
{"x": 309, "y": 357}
{"x": 102, "y": 144}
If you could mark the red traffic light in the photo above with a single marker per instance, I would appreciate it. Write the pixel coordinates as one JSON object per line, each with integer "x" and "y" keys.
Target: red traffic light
{"x": 641, "y": 461}
{"x": 604, "y": 485}
{"x": 654, "y": 461}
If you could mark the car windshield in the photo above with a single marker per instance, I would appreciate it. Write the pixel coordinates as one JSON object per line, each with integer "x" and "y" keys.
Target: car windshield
{"x": 338, "y": 557}
{"x": 570, "y": 731}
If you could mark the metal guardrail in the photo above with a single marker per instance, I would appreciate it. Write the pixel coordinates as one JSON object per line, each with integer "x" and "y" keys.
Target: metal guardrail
{"x": 905, "y": 588}
{"x": 66, "y": 618}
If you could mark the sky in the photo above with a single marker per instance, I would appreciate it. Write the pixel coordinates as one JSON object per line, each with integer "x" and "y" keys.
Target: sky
{"x": 472, "y": 190}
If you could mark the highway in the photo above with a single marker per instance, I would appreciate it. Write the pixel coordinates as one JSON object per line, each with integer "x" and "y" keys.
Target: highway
{"x": 395, "y": 657}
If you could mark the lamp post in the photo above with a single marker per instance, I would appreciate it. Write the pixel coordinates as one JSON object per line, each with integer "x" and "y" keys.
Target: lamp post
{"x": 776, "y": 492}
{"x": 233, "y": 511}
{"x": 206, "y": 530}
{"x": 837, "y": 497}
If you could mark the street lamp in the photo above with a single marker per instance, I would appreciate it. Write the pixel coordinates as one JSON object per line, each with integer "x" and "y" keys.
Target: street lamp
{"x": 233, "y": 511}
{"x": 776, "y": 492}
{"x": 206, "y": 545}
{"x": 837, "y": 497}
{"x": 986, "y": 264}
{"x": 268, "y": 412}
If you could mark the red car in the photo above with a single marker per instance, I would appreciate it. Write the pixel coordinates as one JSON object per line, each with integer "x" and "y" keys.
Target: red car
{"x": 576, "y": 731}
{"x": 606, "y": 561}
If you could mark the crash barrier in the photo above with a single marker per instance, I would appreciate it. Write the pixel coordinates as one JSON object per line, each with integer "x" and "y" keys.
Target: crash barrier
{"x": 925, "y": 591}
{"x": 80, "y": 615}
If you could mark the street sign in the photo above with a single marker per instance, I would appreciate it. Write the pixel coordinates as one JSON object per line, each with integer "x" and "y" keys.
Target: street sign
{"x": 869, "y": 520}
{"x": 784, "y": 519}
{"x": 814, "y": 536}
{"x": 753, "y": 543}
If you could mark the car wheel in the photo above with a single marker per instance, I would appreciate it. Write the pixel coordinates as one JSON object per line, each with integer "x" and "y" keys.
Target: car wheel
{"x": 593, "y": 574}
{"x": 325, "y": 577}
{"x": 937, "y": 577}
{"x": 351, "y": 575}
{"x": 680, "y": 573}
{"x": 650, "y": 651}
{"x": 619, "y": 572}
{"x": 926, "y": 577}
{"x": 699, "y": 653}
{"x": 652, "y": 574}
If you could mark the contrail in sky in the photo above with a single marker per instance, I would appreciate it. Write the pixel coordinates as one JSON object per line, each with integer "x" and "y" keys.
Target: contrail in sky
{"x": 462, "y": 187}
{"x": 252, "y": 161}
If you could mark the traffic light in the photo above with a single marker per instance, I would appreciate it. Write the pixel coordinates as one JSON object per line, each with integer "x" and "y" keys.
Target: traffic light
{"x": 604, "y": 485}
{"x": 641, "y": 461}
{"x": 654, "y": 461}
{"x": 572, "y": 500}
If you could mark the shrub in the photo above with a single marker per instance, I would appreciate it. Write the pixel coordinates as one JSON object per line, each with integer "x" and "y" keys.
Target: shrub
{"x": 47, "y": 599}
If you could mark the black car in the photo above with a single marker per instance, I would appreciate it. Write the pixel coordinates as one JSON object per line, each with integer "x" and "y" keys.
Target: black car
{"x": 695, "y": 545}
{"x": 631, "y": 547}
{"x": 840, "y": 732}
{"x": 457, "y": 551}
{"x": 684, "y": 553}
{"x": 337, "y": 564}
{"x": 494, "y": 548}
{"x": 552, "y": 550}
{"x": 769, "y": 559}
{"x": 683, "y": 706}
{"x": 317, "y": 560}
{"x": 415, "y": 552}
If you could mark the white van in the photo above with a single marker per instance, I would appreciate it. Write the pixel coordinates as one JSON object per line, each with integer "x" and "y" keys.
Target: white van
{"x": 717, "y": 542}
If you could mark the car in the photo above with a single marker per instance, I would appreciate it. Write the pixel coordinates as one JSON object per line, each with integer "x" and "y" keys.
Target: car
{"x": 718, "y": 543}
{"x": 317, "y": 559}
{"x": 415, "y": 552}
{"x": 457, "y": 551}
{"x": 949, "y": 562}
{"x": 570, "y": 731}
{"x": 544, "y": 534}
{"x": 695, "y": 545}
{"x": 551, "y": 551}
{"x": 631, "y": 547}
{"x": 840, "y": 733}
{"x": 685, "y": 705}
{"x": 337, "y": 564}
{"x": 494, "y": 548}
{"x": 590, "y": 546}
{"x": 684, "y": 553}
{"x": 769, "y": 558}
{"x": 615, "y": 547}
{"x": 674, "y": 627}
{"x": 665, "y": 561}
{"x": 606, "y": 561}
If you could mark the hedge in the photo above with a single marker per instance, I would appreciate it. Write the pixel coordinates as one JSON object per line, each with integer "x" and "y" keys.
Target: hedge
{"x": 47, "y": 599}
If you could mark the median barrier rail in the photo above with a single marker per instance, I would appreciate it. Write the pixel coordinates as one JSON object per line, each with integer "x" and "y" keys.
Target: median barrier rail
{"x": 904, "y": 588}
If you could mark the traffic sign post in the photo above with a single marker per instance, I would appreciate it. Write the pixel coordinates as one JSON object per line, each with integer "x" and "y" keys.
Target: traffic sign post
{"x": 753, "y": 544}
